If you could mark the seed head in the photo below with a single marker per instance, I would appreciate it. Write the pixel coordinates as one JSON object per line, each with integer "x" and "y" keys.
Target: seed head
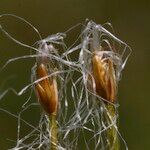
{"x": 47, "y": 90}
{"x": 104, "y": 76}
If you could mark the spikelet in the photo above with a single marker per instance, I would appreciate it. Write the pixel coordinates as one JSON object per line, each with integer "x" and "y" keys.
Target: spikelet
{"x": 104, "y": 76}
{"x": 47, "y": 91}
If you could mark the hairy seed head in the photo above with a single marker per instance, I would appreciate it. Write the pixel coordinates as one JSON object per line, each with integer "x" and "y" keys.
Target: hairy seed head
{"x": 47, "y": 90}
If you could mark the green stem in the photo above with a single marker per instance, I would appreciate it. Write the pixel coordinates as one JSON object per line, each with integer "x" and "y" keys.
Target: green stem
{"x": 53, "y": 132}
{"x": 112, "y": 132}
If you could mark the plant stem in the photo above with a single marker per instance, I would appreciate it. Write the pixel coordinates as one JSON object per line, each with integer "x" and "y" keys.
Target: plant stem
{"x": 112, "y": 132}
{"x": 53, "y": 132}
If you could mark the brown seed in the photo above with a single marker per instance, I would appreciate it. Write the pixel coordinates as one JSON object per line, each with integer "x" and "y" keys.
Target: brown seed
{"x": 104, "y": 76}
{"x": 47, "y": 90}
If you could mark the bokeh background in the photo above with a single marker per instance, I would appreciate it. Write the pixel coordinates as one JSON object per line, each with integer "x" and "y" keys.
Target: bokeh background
{"x": 131, "y": 22}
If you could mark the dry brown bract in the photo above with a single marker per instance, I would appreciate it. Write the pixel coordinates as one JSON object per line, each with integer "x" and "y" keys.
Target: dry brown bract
{"x": 104, "y": 76}
{"x": 47, "y": 90}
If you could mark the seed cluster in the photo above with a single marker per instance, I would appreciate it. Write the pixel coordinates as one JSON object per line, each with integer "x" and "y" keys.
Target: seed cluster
{"x": 76, "y": 87}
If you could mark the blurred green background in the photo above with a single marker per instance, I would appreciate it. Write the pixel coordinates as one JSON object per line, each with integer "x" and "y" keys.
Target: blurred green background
{"x": 131, "y": 22}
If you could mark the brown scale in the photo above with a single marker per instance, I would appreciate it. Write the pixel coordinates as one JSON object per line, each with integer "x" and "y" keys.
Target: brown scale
{"x": 104, "y": 76}
{"x": 47, "y": 90}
